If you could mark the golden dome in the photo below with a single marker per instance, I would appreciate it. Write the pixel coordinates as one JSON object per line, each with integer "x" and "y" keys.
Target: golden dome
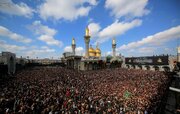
{"x": 98, "y": 50}
{"x": 92, "y": 52}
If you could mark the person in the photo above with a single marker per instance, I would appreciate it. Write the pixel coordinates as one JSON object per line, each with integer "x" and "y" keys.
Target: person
{"x": 145, "y": 112}
{"x": 60, "y": 90}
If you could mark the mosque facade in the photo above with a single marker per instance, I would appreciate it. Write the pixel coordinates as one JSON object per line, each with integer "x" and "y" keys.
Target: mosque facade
{"x": 92, "y": 60}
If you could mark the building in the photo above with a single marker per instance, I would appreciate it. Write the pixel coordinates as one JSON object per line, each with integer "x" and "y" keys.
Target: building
{"x": 160, "y": 63}
{"x": 67, "y": 54}
{"x": 178, "y": 54}
{"x": 70, "y": 59}
{"x": 73, "y": 62}
{"x": 8, "y": 59}
{"x": 94, "y": 53}
{"x": 92, "y": 59}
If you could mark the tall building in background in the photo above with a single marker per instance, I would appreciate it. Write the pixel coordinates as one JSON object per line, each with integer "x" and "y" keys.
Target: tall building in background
{"x": 114, "y": 47}
{"x": 87, "y": 39}
{"x": 98, "y": 51}
{"x": 73, "y": 46}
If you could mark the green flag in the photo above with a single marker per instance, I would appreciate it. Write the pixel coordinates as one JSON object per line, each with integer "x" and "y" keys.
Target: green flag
{"x": 127, "y": 94}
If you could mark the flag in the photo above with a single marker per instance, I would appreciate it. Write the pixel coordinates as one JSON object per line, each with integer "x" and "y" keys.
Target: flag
{"x": 127, "y": 94}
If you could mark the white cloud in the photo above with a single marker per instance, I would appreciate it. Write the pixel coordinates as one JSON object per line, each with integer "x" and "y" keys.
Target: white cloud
{"x": 68, "y": 49}
{"x": 78, "y": 50}
{"x": 154, "y": 40}
{"x": 50, "y": 40}
{"x": 36, "y": 52}
{"x": 40, "y": 52}
{"x": 46, "y": 33}
{"x": 14, "y": 36}
{"x": 168, "y": 50}
{"x": 92, "y": 2}
{"x": 138, "y": 52}
{"x": 94, "y": 29}
{"x": 108, "y": 53}
{"x": 39, "y": 29}
{"x": 44, "y": 47}
{"x": 31, "y": 51}
{"x": 90, "y": 20}
{"x": 65, "y": 9}
{"x": 127, "y": 8}
{"x": 21, "y": 9}
{"x": 43, "y": 52}
{"x": 118, "y": 28}
{"x": 11, "y": 48}
{"x": 113, "y": 30}
{"x": 145, "y": 50}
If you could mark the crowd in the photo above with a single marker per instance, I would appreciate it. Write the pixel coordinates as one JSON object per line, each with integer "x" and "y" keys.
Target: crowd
{"x": 56, "y": 90}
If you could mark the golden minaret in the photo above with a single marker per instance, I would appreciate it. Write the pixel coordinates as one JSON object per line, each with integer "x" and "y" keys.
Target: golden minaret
{"x": 87, "y": 40}
{"x": 87, "y": 31}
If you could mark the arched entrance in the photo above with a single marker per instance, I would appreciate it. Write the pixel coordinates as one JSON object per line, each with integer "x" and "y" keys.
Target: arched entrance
{"x": 114, "y": 64}
{"x": 156, "y": 68}
{"x": 95, "y": 65}
{"x": 140, "y": 67}
{"x": 147, "y": 67}
{"x": 100, "y": 64}
{"x": 166, "y": 69}
{"x": 133, "y": 66}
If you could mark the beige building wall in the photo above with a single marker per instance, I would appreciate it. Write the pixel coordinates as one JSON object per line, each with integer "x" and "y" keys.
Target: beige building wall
{"x": 178, "y": 56}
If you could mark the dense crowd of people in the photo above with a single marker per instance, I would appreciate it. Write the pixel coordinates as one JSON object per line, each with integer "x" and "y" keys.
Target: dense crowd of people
{"x": 56, "y": 90}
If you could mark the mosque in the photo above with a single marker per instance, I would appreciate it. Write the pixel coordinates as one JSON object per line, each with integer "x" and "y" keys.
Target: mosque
{"x": 92, "y": 60}
{"x": 94, "y": 52}
{"x": 90, "y": 52}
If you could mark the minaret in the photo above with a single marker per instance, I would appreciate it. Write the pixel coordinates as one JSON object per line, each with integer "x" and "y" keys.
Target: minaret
{"x": 97, "y": 45}
{"x": 98, "y": 51}
{"x": 114, "y": 47}
{"x": 87, "y": 39}
{"x": 73, "y": 46}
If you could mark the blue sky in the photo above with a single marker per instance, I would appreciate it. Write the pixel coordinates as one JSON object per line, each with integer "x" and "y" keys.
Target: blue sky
{"x": 45, "y": 28}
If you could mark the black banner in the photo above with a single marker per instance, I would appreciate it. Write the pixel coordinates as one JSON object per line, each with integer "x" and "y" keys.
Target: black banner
{"x": 149, "y": 60}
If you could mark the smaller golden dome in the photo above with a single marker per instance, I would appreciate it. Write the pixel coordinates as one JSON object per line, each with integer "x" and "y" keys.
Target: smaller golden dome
{"x": 98, "y": 50}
